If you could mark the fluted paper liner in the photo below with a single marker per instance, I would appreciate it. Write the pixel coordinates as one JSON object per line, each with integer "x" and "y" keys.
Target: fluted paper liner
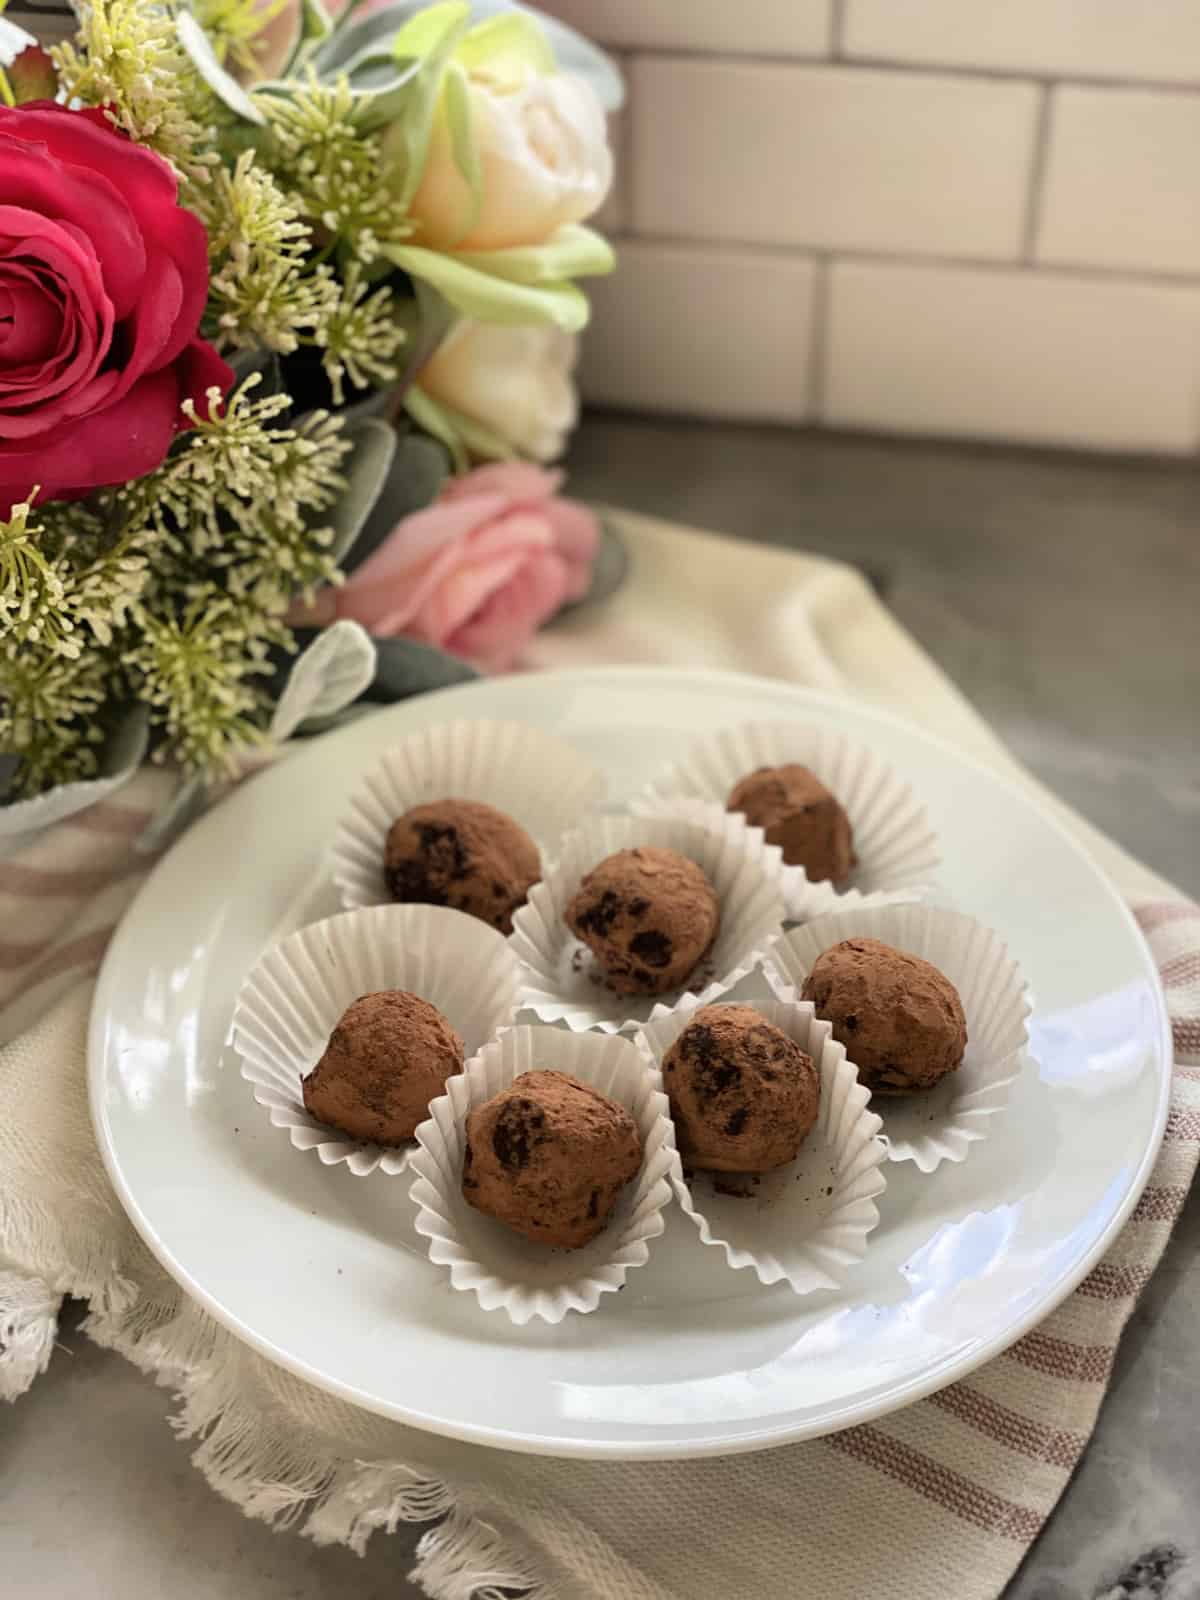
{"x": 807, "y": 1222}
{"x": 802, "y": 899}
{"x": 504, "y": 1270}
{"x": 895, "y": 845}
{"x": 539, "y": 781}
{"x": 938, "y": 1124}
{"x": 561, "y": 980}
{"x": 296, "y": 994}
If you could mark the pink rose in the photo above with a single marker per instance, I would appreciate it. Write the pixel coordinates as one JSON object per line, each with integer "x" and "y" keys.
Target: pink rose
{"x": 103, "y": 281}
{"x": 479, "y": 571}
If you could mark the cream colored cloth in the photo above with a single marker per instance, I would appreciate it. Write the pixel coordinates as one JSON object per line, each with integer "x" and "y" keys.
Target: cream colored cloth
{"x": 940, "y": 1499}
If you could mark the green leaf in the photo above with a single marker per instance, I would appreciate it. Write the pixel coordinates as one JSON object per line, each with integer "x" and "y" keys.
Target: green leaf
{"x": 418, "y": 470}
{"x": 427, "y": 31}
{"x": 226, "y": 88}
{"x": 430, "y": 38}
{"x": 406, "y": 667}
{"x": 365, "y": 471}
{"x": 317, "y": 23}
{"x": 331, "y": 673}
{"x": 509, "y": 46}
{"x": 246, "y": 363}
{"x": 571, "y": 51}
{"x": 369, "y": 38}
{"x": 609, "y": 570}
{"x": 123, "y": 754}
{"x": 429, "y": 319}
{"x": 488, "y": 297}
{"x": 571, "y": 252}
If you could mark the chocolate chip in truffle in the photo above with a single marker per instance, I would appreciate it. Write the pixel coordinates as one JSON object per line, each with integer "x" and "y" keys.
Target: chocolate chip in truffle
{"x": 649, "y": 917}
{"x": 743, "y": 1095}
{"x": 462, "y": 854}
{"x": 655, "y": 949}
{"x": 552, "y": 1155}
{"x": 514, "y": 1133}
{"x": 598, "y": 919}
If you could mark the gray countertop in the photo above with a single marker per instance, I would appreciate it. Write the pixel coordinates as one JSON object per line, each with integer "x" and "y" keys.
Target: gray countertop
{"x": 1061, "y": 594}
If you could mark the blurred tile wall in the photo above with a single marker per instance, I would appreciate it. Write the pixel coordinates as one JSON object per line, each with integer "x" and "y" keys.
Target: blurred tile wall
{"x": 957, "y": 217}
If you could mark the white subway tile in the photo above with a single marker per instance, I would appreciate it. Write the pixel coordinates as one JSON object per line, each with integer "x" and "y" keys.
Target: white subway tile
{"x": 831, "y": 157}
{"x": 1132, "y": 39}
{"x": 711, "y": 333}
{"x": 1048, "y": 358}
{"x": 613, "y": 214}
{"x": 1122, "y": 184}
{"x": 763, "y": 27}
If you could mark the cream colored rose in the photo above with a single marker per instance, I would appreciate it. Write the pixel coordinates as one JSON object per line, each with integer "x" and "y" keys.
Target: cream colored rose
{"x": 516, "y": 381}
{"x": 544, "y": 158}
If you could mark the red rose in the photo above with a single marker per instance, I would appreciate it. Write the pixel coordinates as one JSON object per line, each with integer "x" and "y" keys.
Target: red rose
{"x": 103, "y": 280}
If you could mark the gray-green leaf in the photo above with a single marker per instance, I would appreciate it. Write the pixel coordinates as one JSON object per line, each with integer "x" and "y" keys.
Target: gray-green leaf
{"x": 203, "y": 57}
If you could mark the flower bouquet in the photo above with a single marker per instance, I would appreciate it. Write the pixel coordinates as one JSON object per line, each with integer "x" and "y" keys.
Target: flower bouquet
{"x": 288, "y": 300}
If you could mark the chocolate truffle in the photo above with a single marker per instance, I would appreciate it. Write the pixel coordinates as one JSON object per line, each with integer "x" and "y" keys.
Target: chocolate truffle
{"x": 548, "y": 1156}
{"x": 388, "y": 1057}
{"x": 899, "y": 1018}
{"x": 743, "y": 1095}
{"x": 649, "y": 916}
{"x": 463, "y": 854}
{"x": 797, "y": 812}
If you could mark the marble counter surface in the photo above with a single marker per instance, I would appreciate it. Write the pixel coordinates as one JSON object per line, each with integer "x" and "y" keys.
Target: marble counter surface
{"x": 1015, "y": 571}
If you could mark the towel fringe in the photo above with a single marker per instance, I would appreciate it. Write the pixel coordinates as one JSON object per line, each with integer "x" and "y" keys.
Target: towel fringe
{"x": 247, "y": 1455}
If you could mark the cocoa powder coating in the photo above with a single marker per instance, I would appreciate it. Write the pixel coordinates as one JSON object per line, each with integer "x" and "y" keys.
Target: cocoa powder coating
{"x": 462, "y": 854}
{"x": 900, "y": 1019}
{"x": 797, "y": 812}
{"x": 743, "y": 1095}
{"x": 648, "y": 915}
{"x": 549, "y": 1156}
{"x": 388, "y": 1057}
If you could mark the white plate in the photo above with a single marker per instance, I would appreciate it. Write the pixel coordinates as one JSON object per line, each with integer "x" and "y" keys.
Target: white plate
{"x": 324, "y": 1273}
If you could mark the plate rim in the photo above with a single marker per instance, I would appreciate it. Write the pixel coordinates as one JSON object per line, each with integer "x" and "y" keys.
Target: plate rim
{"x": 942, "y": 1373}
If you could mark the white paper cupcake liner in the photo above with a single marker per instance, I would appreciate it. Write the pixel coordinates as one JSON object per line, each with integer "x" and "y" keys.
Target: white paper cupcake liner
{"x": 802, "y": 899}
{"x": 539, "y": 781}
{"x": 562, "y": 982}
{"x": 895, "y": 845}
{"x": 296, "y": 994}
{"x": 939, "y": 1124}
{"x": 501, "y": 1268}
{"x": 806, "y": 1223}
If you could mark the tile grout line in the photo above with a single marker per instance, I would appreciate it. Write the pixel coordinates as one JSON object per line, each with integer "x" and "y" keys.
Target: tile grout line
{"x": 818, "y": 341}
{"x": 926, "y": 69}
{"x": 1039, "y": 161}
{"x": 1130, "y": 276}
{"x": 837, "y": 30}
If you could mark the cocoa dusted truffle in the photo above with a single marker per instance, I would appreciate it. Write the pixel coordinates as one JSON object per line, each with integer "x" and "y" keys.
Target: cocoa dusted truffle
{"x": 649, "y": 916}
{"x": 743, "y": 1095}
{"x": 899, "y": 1018}
{"x": 797, "y": 812}
{"x": 549, "y": 1156}
{"x": 388, "y": 1057}
{"x": 462, "y": 854}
